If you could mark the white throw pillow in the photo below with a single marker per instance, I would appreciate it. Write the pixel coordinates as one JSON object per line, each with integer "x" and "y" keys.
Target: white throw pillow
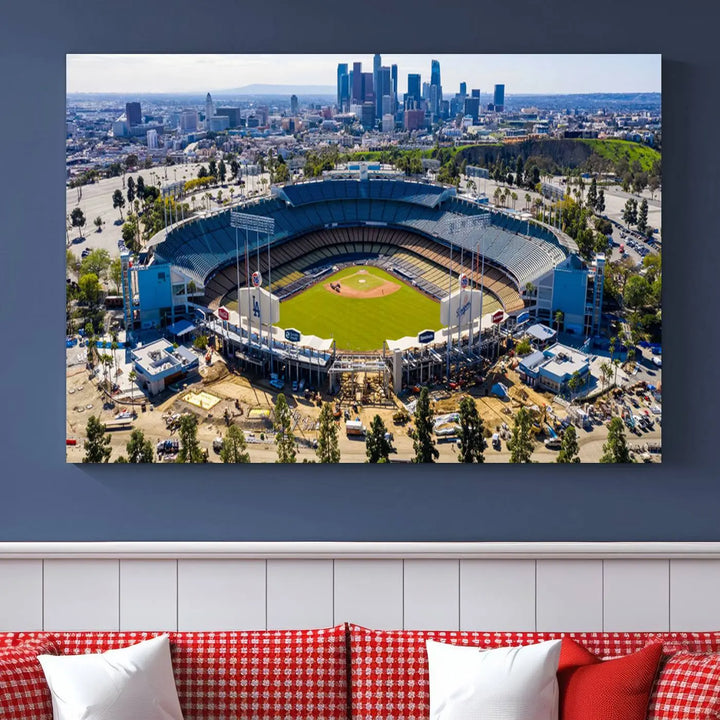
{"x": 133, "y": 683}
{"x": 510, "y": 683}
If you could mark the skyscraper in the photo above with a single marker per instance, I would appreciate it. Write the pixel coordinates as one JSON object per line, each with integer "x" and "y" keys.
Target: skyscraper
{"x": 435, "y": 72}
{"x": 209, "y": 109}
{"x": 414, "y": 87}
{"x": 384, "y": 89}
{"x": 476, "y": 93}
{"x": 499, "y": 98}
{"x": 394, "y": 73}
{"x": 368, "y": 89}
{"x": 463, "y": 89}
{"x": 377, "y": 84}
{"x": 342, "y": 84}
{"x": 133, "y": 114}
{"x": 357, "y": 84}
{"x": 436, "y": 95}
{"x": 293, "y": 104}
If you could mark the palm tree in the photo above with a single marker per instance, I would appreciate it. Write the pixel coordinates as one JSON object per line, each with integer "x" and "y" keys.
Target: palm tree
{"x": 514, "y": 197}
{"x": 132, "y": 377}
{"x": 559, "y": 316}
{"x": 527, "y": 200}
{"x": 607, "y": 372}
{"x": 573, "y": 384}
{"x": 496, "y": 195}
{"x": 114, "y": 346}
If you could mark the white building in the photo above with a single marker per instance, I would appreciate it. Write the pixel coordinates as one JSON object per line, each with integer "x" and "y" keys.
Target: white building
{"x": 388, "y": 122}
{"x": 152, "y": 139}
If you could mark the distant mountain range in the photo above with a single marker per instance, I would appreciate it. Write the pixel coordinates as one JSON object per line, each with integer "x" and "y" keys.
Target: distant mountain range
{"x": 266, "y": 89}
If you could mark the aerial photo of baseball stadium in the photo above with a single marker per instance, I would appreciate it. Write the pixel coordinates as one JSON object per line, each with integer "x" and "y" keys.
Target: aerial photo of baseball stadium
{"x": 380, "y": 258}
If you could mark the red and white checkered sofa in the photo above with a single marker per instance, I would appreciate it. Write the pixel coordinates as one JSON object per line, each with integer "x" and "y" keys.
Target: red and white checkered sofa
{"x": 352, "y": 673}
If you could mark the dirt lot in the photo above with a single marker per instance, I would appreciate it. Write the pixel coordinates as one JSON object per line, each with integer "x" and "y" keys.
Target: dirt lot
{"x": 238, "y": 396}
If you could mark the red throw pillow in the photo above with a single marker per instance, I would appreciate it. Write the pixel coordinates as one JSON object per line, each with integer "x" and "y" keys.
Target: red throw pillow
{"x": 617, "y": 689}
{"x": 24, "y": 692}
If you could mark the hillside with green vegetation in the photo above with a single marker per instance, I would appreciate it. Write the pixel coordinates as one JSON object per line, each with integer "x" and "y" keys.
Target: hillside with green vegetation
{"x": 617, "y": 150}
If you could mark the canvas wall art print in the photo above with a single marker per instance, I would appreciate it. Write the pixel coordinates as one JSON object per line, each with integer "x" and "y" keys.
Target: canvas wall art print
{"x": 363, "y": 258}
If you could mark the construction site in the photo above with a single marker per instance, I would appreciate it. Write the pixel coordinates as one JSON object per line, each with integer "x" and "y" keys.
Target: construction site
{"x": 221, "y": 395}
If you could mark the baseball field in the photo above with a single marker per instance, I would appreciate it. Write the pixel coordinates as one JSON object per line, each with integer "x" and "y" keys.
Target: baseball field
{"x": 360, "y": 307}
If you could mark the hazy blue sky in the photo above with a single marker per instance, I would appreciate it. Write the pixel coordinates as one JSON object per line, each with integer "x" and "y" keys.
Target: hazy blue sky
{"x": 521, "y": 73}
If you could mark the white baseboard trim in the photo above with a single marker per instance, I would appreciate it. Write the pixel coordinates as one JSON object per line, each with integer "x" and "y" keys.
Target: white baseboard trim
{"x": 360, "y": 550}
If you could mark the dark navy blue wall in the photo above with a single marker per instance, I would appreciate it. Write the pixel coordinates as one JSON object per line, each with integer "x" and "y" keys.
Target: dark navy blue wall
{"x": 43, "y": 499}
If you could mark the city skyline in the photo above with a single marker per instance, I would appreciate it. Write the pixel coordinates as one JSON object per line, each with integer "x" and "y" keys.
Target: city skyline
{"x": 521, "y": 74}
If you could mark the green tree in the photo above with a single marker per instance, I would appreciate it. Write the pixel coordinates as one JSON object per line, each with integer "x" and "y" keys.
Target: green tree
{"x": 521, "y": 443}
{"x": 77, "y": 219}
{"x": 592, "y": 195}
{"x": 90, "y": 289}
{"x": 642, "y": 225}
{"x": 212, "y": 168}
{"x": 118, "y": 201}
{"x": 234, "y": 446}
{"x": 637, "y": 292}
{"x": 97, "y": 442}
{"x": 190, "y": 450}
{"x": 629, "y": 213}
{"x": 131, "y": 161}
{"x": 423, "y": 443}
{"x": 523, "y": 347}
{"x": 98, "y": 223}
{"x": 284, "y": 438}
{"x": 130, "y": 190}
{"x": 116, "y": 274}
{"x": 471, "y": 441}
{"x": 377, "y": 448}
{"x": 222, "y": 171}
{"x": 615, "y": 450}
{"x": 140, "y": 188}
{"x": 139, "y": 449}
{"x": 234, "y": 167}
{"x": 600, "y": 203}
{"x": 569, "y": 448}
{"x": 327, "y": 449}
{"x": 559, "y": 318}
{"x": 95, "y": 262}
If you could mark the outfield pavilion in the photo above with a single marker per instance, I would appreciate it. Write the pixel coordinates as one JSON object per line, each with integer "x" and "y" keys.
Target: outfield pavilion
{"x": 421, "y": 232}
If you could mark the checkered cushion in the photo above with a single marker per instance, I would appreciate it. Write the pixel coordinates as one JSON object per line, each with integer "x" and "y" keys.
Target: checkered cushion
{"x": 689, "y": 642}
{"x": 24, "y": 692}
{"x": 389, "y": 671}
{"x": 258, "y": 675}
{"x": 688, "y": 688}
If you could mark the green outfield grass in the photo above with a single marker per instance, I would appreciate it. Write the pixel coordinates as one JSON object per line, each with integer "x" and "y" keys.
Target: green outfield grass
{"x": 360, "y": 323}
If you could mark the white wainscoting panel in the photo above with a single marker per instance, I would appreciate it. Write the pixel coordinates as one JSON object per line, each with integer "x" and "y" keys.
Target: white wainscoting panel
{"x": 695, "y": 595}
{"x": 21, "y": 596}
{"x": 299, "y": 594}
{"x": 369, "y": 593}
{"x": 82, "y": 595}
{"x": 569, "y": 595}
{"x": 148, "y": 595}
{"x": 497, "y": 595}
{"x": 221, "y": 595}
{"x": 431, "y": 590}
{"x": 468, "y": 586}
{"x": 636, "y": 597}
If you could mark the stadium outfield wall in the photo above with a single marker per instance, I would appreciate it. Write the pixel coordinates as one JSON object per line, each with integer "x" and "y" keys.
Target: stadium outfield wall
{"x": 523, "y": 250}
